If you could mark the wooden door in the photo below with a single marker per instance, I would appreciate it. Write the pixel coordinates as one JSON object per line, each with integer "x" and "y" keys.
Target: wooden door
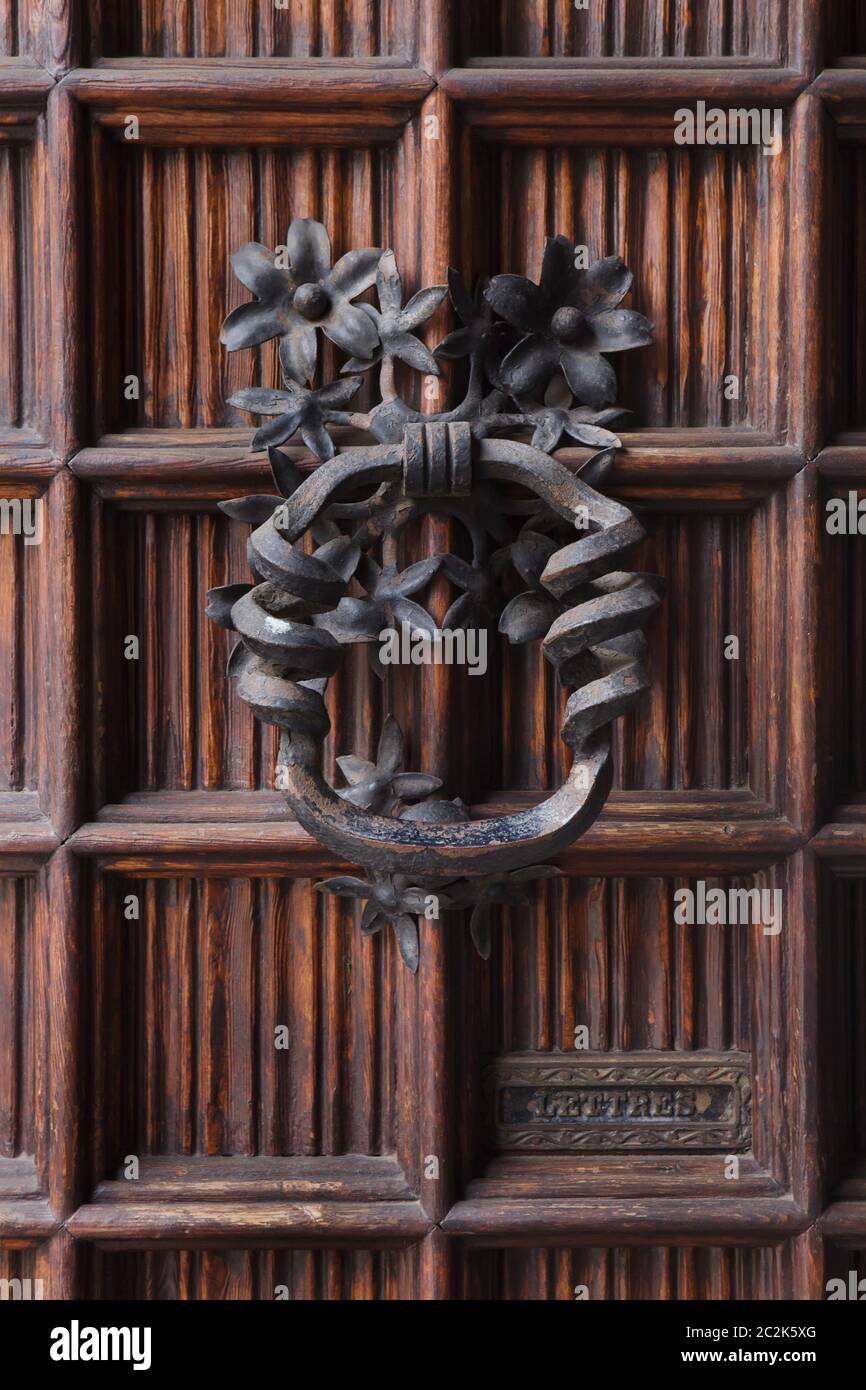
{"x": 159, "y": 921}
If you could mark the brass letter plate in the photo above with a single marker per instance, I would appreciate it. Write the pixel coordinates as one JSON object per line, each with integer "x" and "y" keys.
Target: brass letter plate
{"x": 649, "y": 1101}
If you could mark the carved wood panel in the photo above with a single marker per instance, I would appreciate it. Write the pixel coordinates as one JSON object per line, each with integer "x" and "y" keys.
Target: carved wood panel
{"x": 159, "y": 928}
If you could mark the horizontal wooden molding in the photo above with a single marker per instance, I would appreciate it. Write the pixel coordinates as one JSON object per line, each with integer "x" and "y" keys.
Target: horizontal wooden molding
{"x": 202, "y": 1178}
{"x": 576, "y": 84}
{"x": 190, "y": 1224}
{"x": 585, "y": 1221}
{"x": 635, "y": 834}
{"x": 267, "y": 83}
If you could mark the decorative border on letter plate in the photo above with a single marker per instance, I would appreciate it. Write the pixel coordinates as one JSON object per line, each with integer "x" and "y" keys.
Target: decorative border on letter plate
{"x": 649, "y": 1101}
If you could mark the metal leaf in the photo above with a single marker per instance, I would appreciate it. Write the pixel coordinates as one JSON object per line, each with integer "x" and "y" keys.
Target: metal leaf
{"x": 345, "y": 887}
{"x": 355, "y": 770}
{"x": 406, "y": 933}
{"x": 389, "y": 755}
{"x": 413, "y": 786}
{"x": 254, "y": 510}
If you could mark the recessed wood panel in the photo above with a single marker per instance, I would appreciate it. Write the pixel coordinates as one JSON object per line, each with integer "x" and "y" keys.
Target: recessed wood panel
{"x": 21, "y": 659}
{"x": 844, "y": 275}
{"x": 18, "y": 996}
{"x": 846, "y": 28}
{"x": 168, "y": 225}
{"x": 843, "y": 595}
{"x": 626, "y": 1274}
{"x": 842, "y": 940}
{"x": 254, "y": 28}
{"x": 625, "y": 28}
{"x": 704, "y": 233}
{"x": 267, "y": 1275}
{"x": 187, "y": 999}
{"x": 12, "y": 20}
{"x": 21, "y": 288}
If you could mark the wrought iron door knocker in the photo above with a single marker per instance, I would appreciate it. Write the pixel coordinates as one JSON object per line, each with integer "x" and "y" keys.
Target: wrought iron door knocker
{"x": 537, "y": 359}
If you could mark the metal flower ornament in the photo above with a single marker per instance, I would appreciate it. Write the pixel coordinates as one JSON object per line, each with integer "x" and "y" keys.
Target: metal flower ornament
{"x": 546, "y": 549}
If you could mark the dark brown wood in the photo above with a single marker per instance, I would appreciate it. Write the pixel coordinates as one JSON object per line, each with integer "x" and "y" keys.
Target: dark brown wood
{"x": 357, "y": 1162}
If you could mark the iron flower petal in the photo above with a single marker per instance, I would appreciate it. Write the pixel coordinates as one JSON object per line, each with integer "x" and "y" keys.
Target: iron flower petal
{"x": 518, "y": 301}
{"x": 414, "y": 786}
{"x": 338, "y": 393}
{"x": 351, "y": 329}
{"x": 457, "y": 344}
{"x": 603, "y": 285}
{"x": 299, "y": 352}
{"x": 591, "y": 377}
{"x": 528, "y": 364}
{"x": 617, "y": 330}
{"x": 409, "y": 349}
{"x": 355, "y": 272}
{"x": 251, "y": 324}
{"x": 422, "y": 305}
{"x": 373, "y": 919}
{"x": 317, "y": 439}
{"x": 277, "y": 431}
{"x": 309, "y": 248}
{"x": 255, "y": 400}
{"x": 464, "y": 306}
{"x": 255, "y": 266}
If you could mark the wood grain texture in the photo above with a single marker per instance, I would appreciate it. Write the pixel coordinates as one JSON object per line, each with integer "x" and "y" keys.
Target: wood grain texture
{"x": 227, "y": 962}
{"x": 162, "y": 323}
{"x": 253, "y": 29}
{"x": 625, "y": 28}
{"x": 704, "y": 234}
{"x": 21, "y": 375}
{"x": 296, "y": 1275}
{"x": 666, "y": 1273}
{"x": 154, "y": 1036}
{"x": 18, "y": 1043}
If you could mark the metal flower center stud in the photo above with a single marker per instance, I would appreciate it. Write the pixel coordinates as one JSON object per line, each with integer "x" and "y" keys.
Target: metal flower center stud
{"x": 546, "y": 550}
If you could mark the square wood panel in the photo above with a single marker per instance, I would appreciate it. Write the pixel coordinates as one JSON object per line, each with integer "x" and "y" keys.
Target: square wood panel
{"x": 700, "y": 229}
{"x": 169, "y": 221}
{"x": 607, "y": 955}
{"x": 275, "y": 983}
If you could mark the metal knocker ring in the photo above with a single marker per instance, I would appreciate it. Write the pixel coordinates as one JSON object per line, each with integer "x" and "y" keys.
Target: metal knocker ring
{"x": 319, "y": 588}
